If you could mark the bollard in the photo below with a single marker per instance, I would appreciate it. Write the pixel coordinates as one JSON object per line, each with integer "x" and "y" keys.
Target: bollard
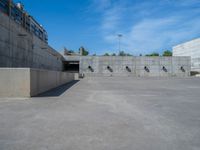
{"x": 81, "y": 76}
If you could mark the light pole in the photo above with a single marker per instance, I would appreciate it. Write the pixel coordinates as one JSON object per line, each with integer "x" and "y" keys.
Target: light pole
{"x": 119, "y": 37}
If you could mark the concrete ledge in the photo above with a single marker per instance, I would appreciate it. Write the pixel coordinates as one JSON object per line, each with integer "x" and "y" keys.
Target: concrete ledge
{"x": 26, "y": 82}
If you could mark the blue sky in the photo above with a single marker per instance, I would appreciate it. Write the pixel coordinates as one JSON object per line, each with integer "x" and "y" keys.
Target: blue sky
{"x": 147, "y": 25}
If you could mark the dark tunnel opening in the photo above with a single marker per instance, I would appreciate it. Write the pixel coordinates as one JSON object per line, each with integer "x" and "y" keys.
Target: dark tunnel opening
{"x": 71, "y": 66}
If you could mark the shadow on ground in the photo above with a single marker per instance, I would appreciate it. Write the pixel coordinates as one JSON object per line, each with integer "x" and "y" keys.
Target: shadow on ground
{"x": 59, "y": 90}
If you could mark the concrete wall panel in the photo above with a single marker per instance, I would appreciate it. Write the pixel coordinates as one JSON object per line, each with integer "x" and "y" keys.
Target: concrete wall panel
{"x": 138, "y": 66}
{"x": 25, "y": 82}
{"x": 166, "y": 66}
{"x": 43, "y": 80}
{"x": 14, "y": 82}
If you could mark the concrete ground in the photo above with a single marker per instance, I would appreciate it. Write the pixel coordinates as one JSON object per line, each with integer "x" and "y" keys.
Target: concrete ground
{"x": 106, "y": 114}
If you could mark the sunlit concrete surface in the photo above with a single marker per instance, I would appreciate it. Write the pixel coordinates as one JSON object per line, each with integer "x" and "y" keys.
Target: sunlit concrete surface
{"x": 192, "y": 49}
{"x": 112, "y": 113}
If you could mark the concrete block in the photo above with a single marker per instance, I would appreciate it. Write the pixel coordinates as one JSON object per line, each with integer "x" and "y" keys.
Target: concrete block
{"x": 43, "y": 80}
{"x": 4, "y": 34}
{"x": 14, "y": 82}
{"x": 4, "y": 49}
{"x": 25, "y": 82}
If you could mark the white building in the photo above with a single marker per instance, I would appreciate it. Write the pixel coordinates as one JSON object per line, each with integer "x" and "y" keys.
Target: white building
{"x": 192, "y": 49}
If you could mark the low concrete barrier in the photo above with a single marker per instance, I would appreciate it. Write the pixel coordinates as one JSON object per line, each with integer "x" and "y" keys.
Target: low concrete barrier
{"x": 26, "y": 82}
{"x": 14, "y": 82}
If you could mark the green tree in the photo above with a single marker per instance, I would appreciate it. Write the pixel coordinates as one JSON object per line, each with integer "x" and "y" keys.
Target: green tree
{"x": 68, "y": 52}
{"x": 106, "y": 54}
{"x": 122, "y": 53}
{"x": 129, "y": 54}
{"x": 83, "y": 51}
{"x": 113, "y": 54}
{"x": 71, "y": 51}
{"x": 153, "y": 54}
{"x": 167, "y": 53}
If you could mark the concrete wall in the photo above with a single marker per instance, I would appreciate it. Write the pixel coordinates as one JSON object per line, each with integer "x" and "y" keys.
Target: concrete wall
{"x": 21, "y": 49}
{"x": 25, "y": 82}
{"x": 14, "y": 82}
{"x": 136, "y": 66}
{"x": 192, "y": 49}
{"x": 43, "y": 80}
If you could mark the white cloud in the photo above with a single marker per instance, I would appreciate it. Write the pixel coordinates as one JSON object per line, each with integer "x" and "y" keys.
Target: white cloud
{"x": 148, "y": 35}
{"x": 156, "y": 34}
{"x": 111, "y": 18}
{"x": 186, "y": 2}
{"x": 149, "y": 26}
{"x": 100, "y": 5}
{"x": 111, "y": 11}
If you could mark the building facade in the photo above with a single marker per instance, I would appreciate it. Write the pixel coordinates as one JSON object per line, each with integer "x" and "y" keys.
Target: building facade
{"x": 23, "y": 42}
{"x": 192, "y": 49}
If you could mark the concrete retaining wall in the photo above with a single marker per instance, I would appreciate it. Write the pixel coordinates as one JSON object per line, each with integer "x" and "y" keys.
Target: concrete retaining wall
{"x": 42, "y": 80}
{"x": 21, "y": 49}
{"x": 26, "y": 82}
{"x": 15, "y": 82}
{"x": 155, "y": 66}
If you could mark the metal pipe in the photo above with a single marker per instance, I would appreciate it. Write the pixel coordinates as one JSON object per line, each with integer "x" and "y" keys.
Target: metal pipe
{"x": 182, "y": 69}
{"x": 128, "y": 69}
{"x": 90, "y": 68}
{"x": 146, "y": 69}
{"x": 109, "y": 68}
{"x": 164, "y": 69}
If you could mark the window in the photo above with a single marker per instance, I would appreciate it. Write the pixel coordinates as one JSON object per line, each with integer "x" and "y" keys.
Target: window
{"x": 4, "y": 6}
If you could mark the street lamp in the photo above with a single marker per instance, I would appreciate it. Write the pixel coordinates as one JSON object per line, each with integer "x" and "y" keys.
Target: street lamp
{"x": 119, "y": 37}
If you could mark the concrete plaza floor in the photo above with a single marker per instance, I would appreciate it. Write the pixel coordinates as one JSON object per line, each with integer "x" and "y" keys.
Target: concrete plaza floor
{"x": 111, "y": 113}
